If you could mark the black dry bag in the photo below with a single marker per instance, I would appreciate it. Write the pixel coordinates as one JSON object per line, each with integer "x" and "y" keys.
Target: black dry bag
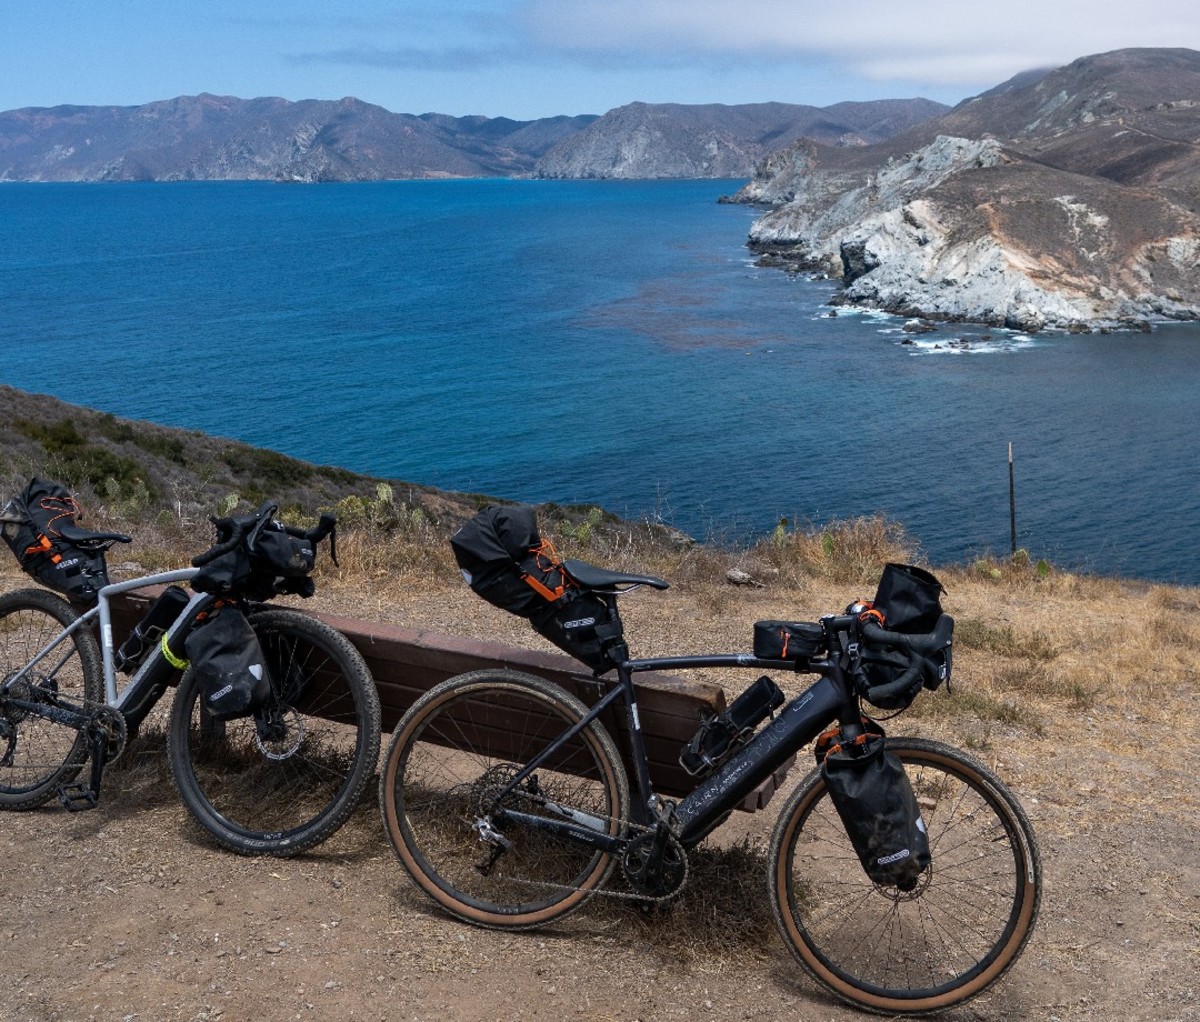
{"x": 229, "y": 664}
{"x": 871, "y": 792}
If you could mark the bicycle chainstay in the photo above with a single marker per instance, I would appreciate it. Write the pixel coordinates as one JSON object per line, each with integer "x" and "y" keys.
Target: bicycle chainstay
{"x": 605, "y": 892}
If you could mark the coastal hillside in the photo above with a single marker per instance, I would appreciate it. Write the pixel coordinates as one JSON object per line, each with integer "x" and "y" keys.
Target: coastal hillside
{"x": 1069, "y": 198}
{"x": 128, "y": 469}
{"x": 223, "y": 138}
{"x": 668, "y": 140}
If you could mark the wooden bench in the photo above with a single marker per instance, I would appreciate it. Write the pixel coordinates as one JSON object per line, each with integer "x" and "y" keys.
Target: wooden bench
{"x": 405, "y": 663}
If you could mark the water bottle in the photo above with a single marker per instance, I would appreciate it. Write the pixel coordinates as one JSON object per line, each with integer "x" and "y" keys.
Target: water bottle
{"x": 146, "y": 633}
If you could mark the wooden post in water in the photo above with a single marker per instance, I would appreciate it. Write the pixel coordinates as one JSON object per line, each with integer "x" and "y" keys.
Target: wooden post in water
{"x": 1012, "y": 502}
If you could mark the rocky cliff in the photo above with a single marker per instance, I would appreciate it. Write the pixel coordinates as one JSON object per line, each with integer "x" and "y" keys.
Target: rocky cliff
{"x": 1068, "y": 198}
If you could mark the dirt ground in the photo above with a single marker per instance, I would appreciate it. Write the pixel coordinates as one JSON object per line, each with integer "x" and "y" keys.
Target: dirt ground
{"x": 128, "y": 913}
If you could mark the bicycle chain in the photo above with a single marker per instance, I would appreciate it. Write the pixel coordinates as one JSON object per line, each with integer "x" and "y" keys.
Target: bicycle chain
{"x": 604, "y": 892}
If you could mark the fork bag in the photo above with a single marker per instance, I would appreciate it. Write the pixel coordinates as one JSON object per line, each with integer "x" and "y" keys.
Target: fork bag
{"x": 871, "y": 792}
{"x": 229, "y": 664}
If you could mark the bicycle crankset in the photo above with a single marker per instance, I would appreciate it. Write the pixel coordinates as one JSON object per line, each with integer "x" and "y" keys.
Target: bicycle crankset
{"x": 108, "y": 724}
{"x": 655, "y": 864}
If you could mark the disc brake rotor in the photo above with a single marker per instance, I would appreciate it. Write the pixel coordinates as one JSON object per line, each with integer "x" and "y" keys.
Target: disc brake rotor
{"x": 281, "y": 736}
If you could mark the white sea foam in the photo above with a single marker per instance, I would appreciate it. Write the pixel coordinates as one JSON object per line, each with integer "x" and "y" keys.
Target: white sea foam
{"x": 980, "y": 344}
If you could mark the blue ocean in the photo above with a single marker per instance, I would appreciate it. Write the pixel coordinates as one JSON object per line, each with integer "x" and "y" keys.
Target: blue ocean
{"x": 594, "y": 342}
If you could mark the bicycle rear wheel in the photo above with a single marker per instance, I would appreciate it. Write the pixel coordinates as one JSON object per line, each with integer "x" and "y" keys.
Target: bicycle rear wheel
{"x": 285, "y": 779}
{"x": 38, "y": 754}
{"x": 943, "y": 943}
{"x": 450, "y": 758}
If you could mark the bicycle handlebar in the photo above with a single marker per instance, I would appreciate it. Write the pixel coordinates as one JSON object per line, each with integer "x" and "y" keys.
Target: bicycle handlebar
{"x": 231, "y": 532}
{"x": 921, "y": 644}
{"x": 915, "y": 648}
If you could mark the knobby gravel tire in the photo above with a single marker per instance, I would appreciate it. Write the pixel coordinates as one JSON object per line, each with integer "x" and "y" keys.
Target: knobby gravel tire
{"x": 45, "y": 754}
{"x": 281, "y": 790}
{"x": 941, "y": 944}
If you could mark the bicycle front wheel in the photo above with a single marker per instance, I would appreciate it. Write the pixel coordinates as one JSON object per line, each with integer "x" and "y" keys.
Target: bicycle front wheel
{"x": 944, "y": 942}
{"x": 286, "y": 778}
{"x": 442, "y": 796}
{"x": 38, "y": 754}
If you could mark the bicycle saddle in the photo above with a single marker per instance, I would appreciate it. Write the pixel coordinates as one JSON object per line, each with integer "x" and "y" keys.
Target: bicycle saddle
{"x": 591, "y": 577}
{"x": 74, "y": 534}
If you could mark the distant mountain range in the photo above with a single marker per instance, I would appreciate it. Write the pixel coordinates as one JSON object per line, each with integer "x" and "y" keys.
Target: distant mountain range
{"x": 1066, "y": 198}
{"x": 224, "y": 138}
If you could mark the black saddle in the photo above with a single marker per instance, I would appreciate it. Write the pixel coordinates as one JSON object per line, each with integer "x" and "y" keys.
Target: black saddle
{"x": 591, "y": 577}
{"x": 88, "y": 538}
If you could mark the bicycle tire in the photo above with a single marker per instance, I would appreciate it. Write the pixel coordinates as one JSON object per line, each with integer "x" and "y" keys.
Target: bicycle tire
{"x": 45, "y": 754}
{"x": 281, "y": 793}
{"x": 466, "y": 737}
{"x": 945, "y": 942}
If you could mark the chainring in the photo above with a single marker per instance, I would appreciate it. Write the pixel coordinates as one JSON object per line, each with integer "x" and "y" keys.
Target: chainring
{"x": 111, "y": 724}
{"x": 655, "y": 879}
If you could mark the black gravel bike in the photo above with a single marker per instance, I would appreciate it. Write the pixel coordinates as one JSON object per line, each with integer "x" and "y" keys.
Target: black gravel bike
{"x": 507, "y": 802}
{"x": 272, "y": 783}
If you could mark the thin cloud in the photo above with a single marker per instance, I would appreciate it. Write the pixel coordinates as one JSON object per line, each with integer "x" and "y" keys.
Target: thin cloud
{"x": 412, "y": 58}
{"x": 945, "y": 41}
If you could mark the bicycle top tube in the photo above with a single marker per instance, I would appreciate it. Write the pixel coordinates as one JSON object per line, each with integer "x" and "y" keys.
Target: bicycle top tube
{"x": 735, "y": 660}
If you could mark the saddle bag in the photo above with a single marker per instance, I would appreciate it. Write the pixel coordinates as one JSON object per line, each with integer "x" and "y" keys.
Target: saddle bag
{"x": 33, "y": 522}
{"x": 229, "y": 665}
{"x": 504, "y": 559}
{"x": 871, "y": 792}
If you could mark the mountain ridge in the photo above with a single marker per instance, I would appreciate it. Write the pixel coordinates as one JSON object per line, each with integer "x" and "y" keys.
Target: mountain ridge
{"x": 209, "y": 137}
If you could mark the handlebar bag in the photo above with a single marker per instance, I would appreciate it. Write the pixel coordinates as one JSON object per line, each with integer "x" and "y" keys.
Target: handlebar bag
{"x": 284, "y": 555}
{"x": 229, "y": 664}
{"x": 909, "y": 598}
{"x": 873, "y": 796}
{"x": 31, "y": 523}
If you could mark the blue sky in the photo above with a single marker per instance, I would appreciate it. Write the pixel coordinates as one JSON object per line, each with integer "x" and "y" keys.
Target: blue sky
{"x": 537, "y": 58}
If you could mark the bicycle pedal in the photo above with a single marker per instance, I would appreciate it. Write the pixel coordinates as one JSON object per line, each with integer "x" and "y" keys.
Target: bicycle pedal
{"x": 76, "y": 798}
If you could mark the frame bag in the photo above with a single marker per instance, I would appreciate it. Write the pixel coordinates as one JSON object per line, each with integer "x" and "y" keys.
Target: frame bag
{"x": 229, "y": 663}
{"x": 33, "y": 524}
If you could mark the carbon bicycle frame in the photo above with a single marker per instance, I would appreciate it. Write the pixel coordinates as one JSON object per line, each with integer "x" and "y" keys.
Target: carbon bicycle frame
{"x": 794, "y": 726}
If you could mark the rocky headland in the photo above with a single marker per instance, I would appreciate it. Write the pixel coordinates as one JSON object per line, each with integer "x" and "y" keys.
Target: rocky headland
{"x": 1061, "y": 199}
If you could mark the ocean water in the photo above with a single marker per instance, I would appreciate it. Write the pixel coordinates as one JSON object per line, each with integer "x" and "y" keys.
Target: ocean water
{"x": 607, "y": 343}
